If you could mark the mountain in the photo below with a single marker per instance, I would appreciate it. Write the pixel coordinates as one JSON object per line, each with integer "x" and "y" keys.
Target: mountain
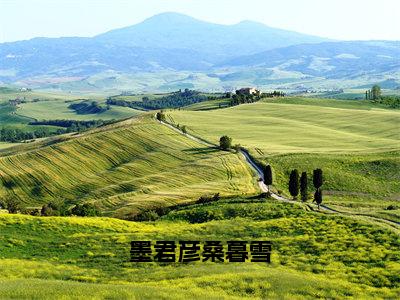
{"x": 173, "y": 30}
{"x": 171, "y": 51}
{"x": 329, "y": 60}
{"x": 166, "y": 41}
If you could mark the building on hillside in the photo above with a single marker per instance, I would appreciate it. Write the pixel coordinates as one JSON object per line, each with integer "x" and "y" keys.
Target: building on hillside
{"x": 247, "y": 91}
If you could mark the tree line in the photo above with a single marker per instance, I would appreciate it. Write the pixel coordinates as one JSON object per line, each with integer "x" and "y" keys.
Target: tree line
{"x": 299, "y": 184}
{"x": 15, "y": 135}
{"x": 375, "y": 94}
{"x": 242, "y": 98}
{"x": 174, "y": 100}
{"x": 53, "y": 208}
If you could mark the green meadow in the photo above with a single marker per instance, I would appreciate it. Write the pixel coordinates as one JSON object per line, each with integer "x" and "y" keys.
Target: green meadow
{"x": 58, "y": 110}
{"x": 275, "y": 127}
{"x": 313, "y": 256}
{"x": 138, "y": 164}
{"x": 356, "y": 144}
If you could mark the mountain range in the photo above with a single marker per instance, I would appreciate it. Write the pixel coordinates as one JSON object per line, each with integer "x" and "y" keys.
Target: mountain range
{"x": 176, "y": 50}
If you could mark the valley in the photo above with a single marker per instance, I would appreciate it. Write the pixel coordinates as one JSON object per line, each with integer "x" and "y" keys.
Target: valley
{"x": 140, "y": 169}
{"x": 149, "y": 154}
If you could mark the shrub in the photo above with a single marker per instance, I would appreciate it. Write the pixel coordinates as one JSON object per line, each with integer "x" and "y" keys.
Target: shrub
{"x": 85, "y": 210}
{"x": 392, "y": 207}
{"x": 147, "y": 215}
{"x": 207, "y": 199}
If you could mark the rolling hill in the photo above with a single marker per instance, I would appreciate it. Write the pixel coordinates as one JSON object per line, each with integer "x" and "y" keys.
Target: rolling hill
{"x": 355, "y": 144}
{"x": 124, "y": 168}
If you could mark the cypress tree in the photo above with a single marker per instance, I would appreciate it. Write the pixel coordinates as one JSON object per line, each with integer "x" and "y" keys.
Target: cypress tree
{"x": 303, "y": 186}
{"x": 317, "y": 178}
{"x": 318, "y": 197}
{"x": 294, "y": 183}
{"x": 268, "y": 176}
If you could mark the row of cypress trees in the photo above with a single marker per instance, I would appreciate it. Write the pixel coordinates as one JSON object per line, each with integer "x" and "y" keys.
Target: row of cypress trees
{"x": 299, "y": 184}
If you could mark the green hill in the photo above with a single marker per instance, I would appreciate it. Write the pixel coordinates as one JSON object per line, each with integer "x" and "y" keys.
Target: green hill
{"x": 356, "y": 144}
{"x": 123, "y": 168}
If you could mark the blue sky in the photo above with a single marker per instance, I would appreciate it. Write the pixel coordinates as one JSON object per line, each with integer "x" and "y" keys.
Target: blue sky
{"x": 338, "y": 19}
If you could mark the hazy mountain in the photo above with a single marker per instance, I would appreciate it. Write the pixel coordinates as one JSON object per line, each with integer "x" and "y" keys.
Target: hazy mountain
{"x": 170, "y": 51}
{"x": 173, "y": 30}
{"x": 329, "y": 59}
{"x": 87, "y": 56}
{"x": 165, "y": 41}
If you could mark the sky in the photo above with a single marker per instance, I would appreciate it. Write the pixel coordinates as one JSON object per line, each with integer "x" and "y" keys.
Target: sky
{"x": 337, "y": 19}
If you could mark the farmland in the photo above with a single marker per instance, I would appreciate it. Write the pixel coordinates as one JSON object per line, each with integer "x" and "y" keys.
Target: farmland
{"x": 355, "y": 143}
{"x": 123, "y": 168}
{"x": 138, "y": 165}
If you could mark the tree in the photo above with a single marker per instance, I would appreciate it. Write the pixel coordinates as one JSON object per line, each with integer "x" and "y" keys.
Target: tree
{"x": 303, "y": 186}
{"x": 183, "y": 129}
{"x": 294, "y": 183}
{"x": 268, "y": 176}
{"x": 376, "y": 92}
{"x": 317, "y": 178}
{"x": 318, "y": 197}
{"x": 11, "y": 205}
{"x": 160, "y": 116}
{"x": 225, "y": 142}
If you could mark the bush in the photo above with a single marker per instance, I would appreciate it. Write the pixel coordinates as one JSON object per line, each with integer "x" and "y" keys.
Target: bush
{"x": 85, "y": 210}
{"x": 392, "y": 207}
{"x": 207, "y": 199}
{"x": 237, "y": 148}
{"x": 147, "y": 215}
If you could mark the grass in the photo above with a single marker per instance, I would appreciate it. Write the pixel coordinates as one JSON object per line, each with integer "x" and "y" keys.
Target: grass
{"x": 209, "y": 105}
{"x": 356, "y": 145}
{"x": 53, "y": 110}
{"x": 124, "y": 168}
{"x": 314, "y": 255}
{"x": 48, "y": 106}
{"x": 287, "y": 128}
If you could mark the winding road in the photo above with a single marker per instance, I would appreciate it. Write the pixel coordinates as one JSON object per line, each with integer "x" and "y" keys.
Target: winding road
{"x": 264, "y": 188}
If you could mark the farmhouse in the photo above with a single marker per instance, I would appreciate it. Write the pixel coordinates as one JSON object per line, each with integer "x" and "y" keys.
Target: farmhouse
{"x": 248, "y": 91}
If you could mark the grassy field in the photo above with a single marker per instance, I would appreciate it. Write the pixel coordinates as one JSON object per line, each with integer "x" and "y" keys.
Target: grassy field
{"x": 355, "y": 143}
{"x": 314, "y": 255}
{"x": 58, "y": 109}
{"x": 123, "y": 168}
{"x": 49, "y": 106}
{"x": 286, "y": 128}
